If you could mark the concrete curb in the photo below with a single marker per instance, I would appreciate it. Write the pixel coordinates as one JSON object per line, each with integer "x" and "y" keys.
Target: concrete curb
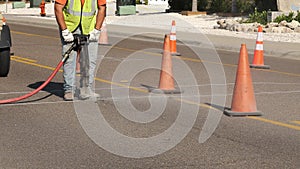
{"x": 274, "y": 49}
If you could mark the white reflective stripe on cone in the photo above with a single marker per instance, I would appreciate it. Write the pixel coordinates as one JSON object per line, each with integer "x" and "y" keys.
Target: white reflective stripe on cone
{"x": 173, "y": 29}
{"x": 259, "y": 47}
{"x": 260, "y": 36}
{"x": 172, "y": 37}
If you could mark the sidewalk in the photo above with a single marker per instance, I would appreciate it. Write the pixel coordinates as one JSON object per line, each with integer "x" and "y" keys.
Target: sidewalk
{"x": 152, "y": 18}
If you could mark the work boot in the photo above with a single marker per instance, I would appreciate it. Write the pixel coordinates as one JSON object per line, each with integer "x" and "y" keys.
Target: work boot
{"x": 88, "y": 93}
{"x": 68, "y": 96}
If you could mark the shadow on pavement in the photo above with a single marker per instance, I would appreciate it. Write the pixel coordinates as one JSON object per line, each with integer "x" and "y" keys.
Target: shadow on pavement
{"x": 221, "y": 108}
{"x": 53, "y": 88}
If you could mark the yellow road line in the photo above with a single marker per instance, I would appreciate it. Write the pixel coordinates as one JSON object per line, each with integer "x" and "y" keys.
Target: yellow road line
{"x": 279, "y": 72}
{"x": 296, "y": 122}
{"x": 204, "y": 61}
{"x": 274, "y": 122}
{"x": 34, "y": 64}
{"x": 193, "y": 103}
{"x": 185, "y": 101}
{"x": 22, "y": 58}
{"x": 121, "y": 85}
{"x": 97, "y": 79}
{"x": 126, "y": 49}
{"x": 145, "y": 91}
{"x": 29, "y": 34}
{"x": 177, "y": 57}
{"x": 183, "y": 58}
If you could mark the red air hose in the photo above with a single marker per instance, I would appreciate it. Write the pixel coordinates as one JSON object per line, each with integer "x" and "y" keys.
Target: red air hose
{"x": 36, "y": 90}
{"x": 65, "y": 57}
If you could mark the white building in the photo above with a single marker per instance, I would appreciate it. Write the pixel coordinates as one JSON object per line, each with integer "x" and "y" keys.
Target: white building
{"x": 158, "y": 2}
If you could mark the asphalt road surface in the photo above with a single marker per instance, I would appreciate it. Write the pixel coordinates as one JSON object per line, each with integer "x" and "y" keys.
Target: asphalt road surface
{"x": 138, "y": 129}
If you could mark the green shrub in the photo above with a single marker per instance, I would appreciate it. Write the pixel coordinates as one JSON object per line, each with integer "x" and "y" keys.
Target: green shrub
{"x": 245, "y": 6}
{"x": 283, "y": 17}
{"x": 220, "y": 6}
{"x": 202, "y": 5}
{"x": 178, "y": 5}
{"x": 259, "y": 17}
{"x": 184, "y": 5}
{"x": 141, "y": 2}
{"x": 265, "y": 5}
{"x": 297, "y": 18}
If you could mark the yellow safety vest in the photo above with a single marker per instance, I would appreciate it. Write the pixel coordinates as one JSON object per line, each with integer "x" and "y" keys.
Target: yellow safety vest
{"x": 76, "y": 14}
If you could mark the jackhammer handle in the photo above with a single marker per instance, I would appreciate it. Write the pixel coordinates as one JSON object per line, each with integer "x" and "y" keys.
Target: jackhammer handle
{"x": 67, "y": 53}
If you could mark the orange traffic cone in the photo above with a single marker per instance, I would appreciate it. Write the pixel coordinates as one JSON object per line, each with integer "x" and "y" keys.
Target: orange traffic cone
{"x": 166, "y": 82}
{"x": 243, "y": 99}
{"x": 258, "y": 58}
{"x": 103, "y": 38}
{"x": 173, "y": 47}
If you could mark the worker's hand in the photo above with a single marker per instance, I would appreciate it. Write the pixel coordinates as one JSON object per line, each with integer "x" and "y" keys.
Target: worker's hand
{"x": 94, "y": 35}
{"x": 67, "y": 35}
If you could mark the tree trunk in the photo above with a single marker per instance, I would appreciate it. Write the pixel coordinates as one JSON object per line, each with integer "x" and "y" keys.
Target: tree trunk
{"x": 233, "y": 6}
{"x": 194, "y": 6}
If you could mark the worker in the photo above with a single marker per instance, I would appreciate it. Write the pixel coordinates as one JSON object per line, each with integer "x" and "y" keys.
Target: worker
{"x": 83, "y": 17}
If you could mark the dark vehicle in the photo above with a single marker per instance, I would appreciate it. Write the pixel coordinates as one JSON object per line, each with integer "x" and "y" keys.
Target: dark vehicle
{"x": 5, "y": 44}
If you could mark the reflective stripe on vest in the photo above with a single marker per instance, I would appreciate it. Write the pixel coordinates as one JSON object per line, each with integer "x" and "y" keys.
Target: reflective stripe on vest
{"x": 73, "y": 14}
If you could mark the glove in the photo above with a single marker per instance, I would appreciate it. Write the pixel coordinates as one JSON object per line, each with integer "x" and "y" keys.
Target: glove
{"x": 94, "y": 35}
{"x": 67, "y": 35}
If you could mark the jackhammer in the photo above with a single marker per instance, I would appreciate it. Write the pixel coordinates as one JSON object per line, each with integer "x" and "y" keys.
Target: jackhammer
{"x": 79, "y": 41}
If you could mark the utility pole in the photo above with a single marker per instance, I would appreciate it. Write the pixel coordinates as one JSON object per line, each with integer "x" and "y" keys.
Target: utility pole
{"x": 194, "y": 6}
{"x": 6, "y": 2}
{"x": 233, "y": 7}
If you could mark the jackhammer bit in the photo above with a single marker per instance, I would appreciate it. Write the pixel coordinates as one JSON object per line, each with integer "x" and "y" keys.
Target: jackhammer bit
{"x": 81, "y": 42}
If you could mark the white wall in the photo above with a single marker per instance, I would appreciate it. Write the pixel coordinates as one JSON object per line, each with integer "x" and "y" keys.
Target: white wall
{"x": 157, "y": 2}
